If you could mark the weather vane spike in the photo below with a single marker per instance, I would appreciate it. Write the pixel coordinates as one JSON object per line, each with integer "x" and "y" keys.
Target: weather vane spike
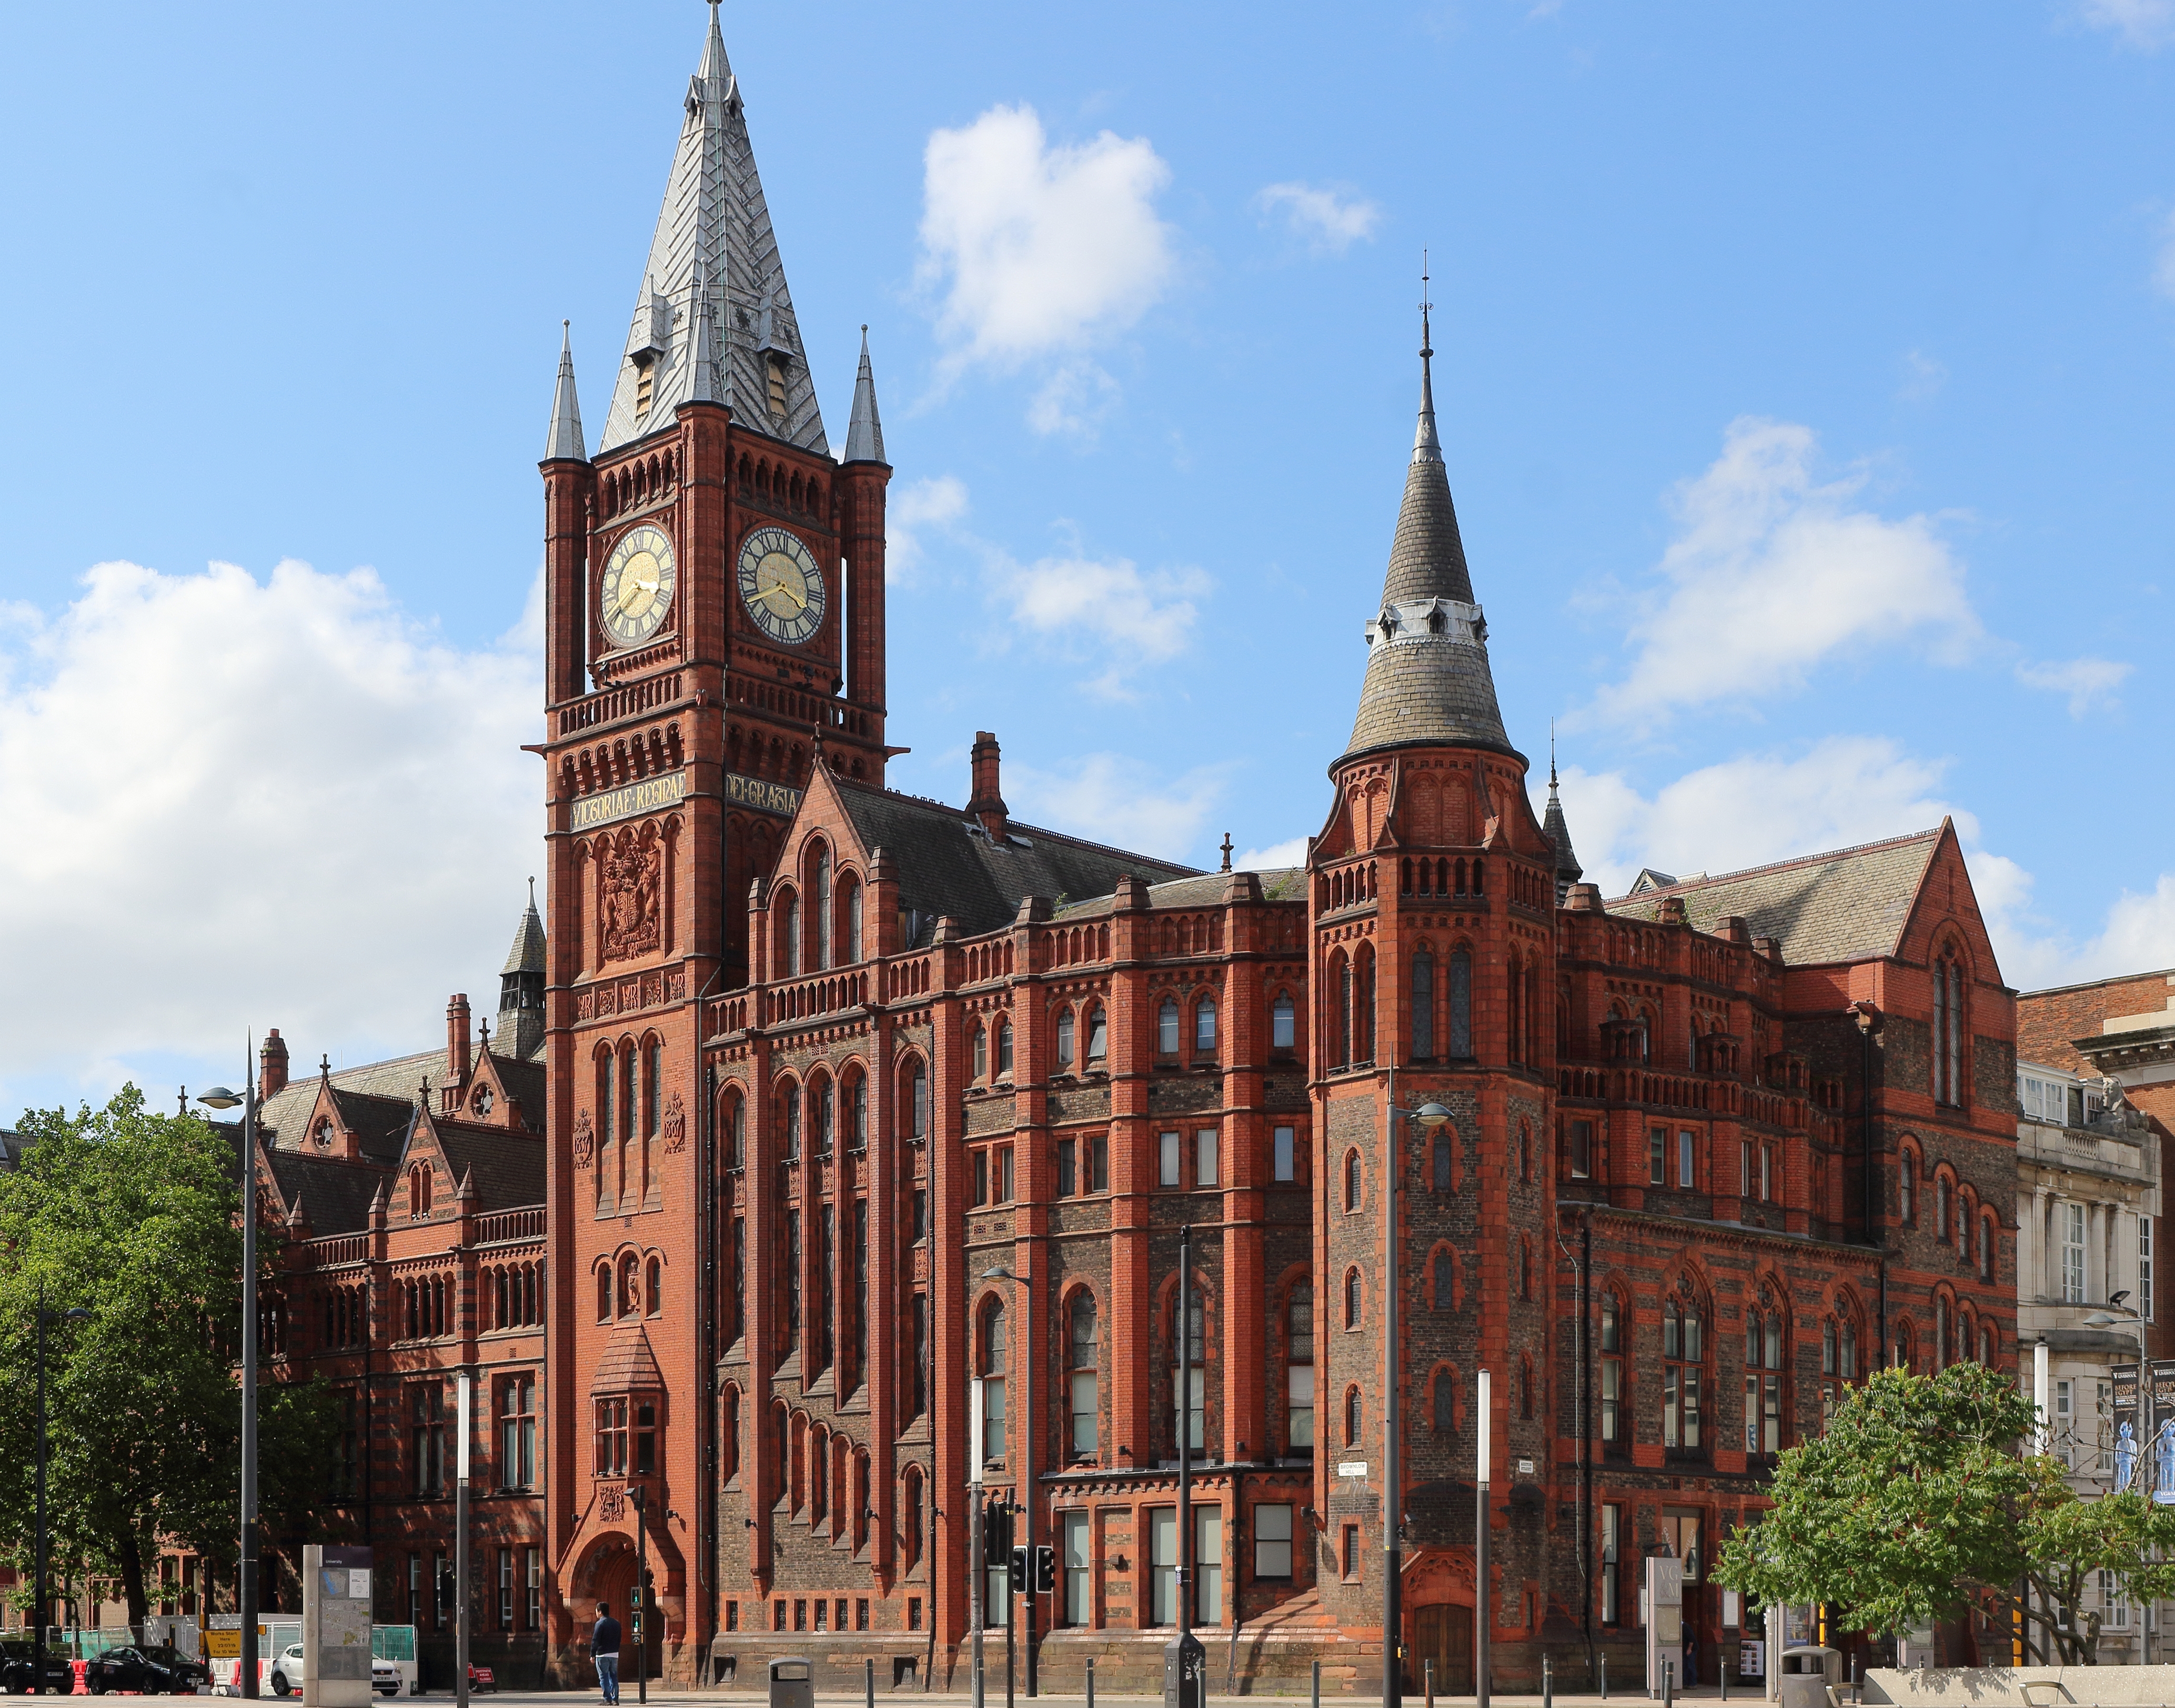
{"x": 1425, "y": 305}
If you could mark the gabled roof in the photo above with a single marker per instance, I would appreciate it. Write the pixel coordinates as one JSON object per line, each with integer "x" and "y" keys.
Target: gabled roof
{"x": 335, "y": 1195}
{"x": 713, "y": 237}
{"x": 387, "y": 1091}
{"x": 12, "y": 1145}
{"x": 1850, "y": 905}
{"x": 506, "y": 1166}
{"x": 947, "y": 865}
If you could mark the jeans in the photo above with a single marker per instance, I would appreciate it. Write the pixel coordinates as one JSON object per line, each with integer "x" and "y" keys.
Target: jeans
{"x": 608, "y": 1676}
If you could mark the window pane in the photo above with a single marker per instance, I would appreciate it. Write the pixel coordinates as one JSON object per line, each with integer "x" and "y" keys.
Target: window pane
{"x": 1204, "y": 1025}
{"x": 1167, "y": 1027}
{"x": 1163, "y": 1565}
{"x": 1283, "y": 1024}
{"x": 1204, "y": 1158}
{"x": 1272, "y": 1541}
{"x": 1286, "y": 1163}
{"x": 1208, "y": 1564}
{"x": 1167, "y": 1173}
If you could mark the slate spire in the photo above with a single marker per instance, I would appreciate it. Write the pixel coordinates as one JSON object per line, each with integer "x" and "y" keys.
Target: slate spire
{"x": 521, "y": 987}
{"x": 714, "y": 241}
{"x": 1568, "y": 869}
{"x": 1428, "y": 680}
{"x": 564, "y": 440}
{"x": 864, "y": 432}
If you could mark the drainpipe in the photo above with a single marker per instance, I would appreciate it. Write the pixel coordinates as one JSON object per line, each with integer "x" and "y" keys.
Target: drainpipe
{"x": 1869, "y": 1020}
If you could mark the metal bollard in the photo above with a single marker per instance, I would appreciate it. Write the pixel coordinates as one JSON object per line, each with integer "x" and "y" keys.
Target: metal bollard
{"x": 1668, "y": 1683}
{"x": 1547, "y": 1683}
{"x": 869, "y": 1682}
{"x": 1857, "y": 1677}
{"x": 1317, "y": 1670}
{"x": 1091, "y": 1659}
{"x": 1427, "y": 1674}
{"x": 1722, "y": 1666}
{"x": 1602, "y": 1659}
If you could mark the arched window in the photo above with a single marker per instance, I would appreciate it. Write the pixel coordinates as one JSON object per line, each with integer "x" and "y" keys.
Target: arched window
{"x": 1193, "y": 1406}
{"x": 857, "y": 1111}
{"x": 1682, "y": 1369}
{"x": 1298, "y": 1361}
{"x": 993, "y": 1351}
{"x": 1907, "y": 1183}
{"x": 917, "y": 1100}
{"x": 1283, "y": 1023}
{"x": 1514, "y": 1007}
{"x": 1986, "y": 1346}
{"x": 655, "y": 1291}
{"x": 788, "y": 937}
{"x": 1612, "y": 1432}
{"x": 1445, "y": 1160}
{"x": 1949, "y": 1021}
{"x": 1352, "y": 1416}
{"x": 789, "y": 1098}
{"x": 849, "y": 897}
{"x": 1525, "y": 1269}
{"x": 980, "y": 1049}
{"x": 728, "y": 1435}
{"x": 915, "y": 1523}
{"x": 1098, "y": 1032}
{"x": 1352, "y": 1181}
{"x": 1985, "y": 1247}
{"x": 1422, "y": 1024}
{"x": 1081, "y": 1384}
{"x": 1340, "y": 994}
{"x": 1460, "y": 1004}
{"x": 1443, "y": 1402}
{"x": 1204, "y": 1027}
{"x": 1353, "y": 1298}
{"x": 1065, "y": 1039}
{"x": 1763, "y": 1379}
{"x": 1446, "y": 1279}
{"x": 1940, "y": 1333}
{"x": 1941, "y": 1208}
{"x": 821, "y": 903}
{"x": 604, "y": 1293}
{"x": 1004, "y": 1047}
{"x": 1167, "y": 1026}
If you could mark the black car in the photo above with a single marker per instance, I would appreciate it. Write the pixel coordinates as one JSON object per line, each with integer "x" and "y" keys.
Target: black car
{"x": 17, "y": 1671}
{"x": 154, "y": 1669}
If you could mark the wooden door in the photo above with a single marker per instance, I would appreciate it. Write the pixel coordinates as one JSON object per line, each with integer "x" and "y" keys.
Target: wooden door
{"x": 1444, "y": 1636}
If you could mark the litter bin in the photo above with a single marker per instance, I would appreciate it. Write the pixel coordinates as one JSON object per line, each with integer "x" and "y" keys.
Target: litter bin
{"x": 1807, "y": 1670}
{"x": 792, "y": 1684}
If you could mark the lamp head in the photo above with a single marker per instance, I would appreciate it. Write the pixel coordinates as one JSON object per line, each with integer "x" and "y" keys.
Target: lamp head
{"x": 2100, "y": 1319}
{"x": 2115, "y": 1299}
{"x": 999, "y": 1273}
{"x": 1431, "y": 1116}
{"x": 219, "y": 1097}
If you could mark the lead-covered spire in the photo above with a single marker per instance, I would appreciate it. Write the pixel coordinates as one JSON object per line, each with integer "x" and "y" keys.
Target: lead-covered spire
{"x": 1557, "y": 832}
{"x": 714, "y": 241}
{"x": 563, "y": 440}
{"x": 865, "y": 431}
{"x": 1428, "y": 681}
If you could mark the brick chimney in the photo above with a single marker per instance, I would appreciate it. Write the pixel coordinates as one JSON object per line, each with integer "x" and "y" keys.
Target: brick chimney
{"x": 987, "y": 805}
{"x": 271, "y": 1064}
{"x": 459, "y": 1060}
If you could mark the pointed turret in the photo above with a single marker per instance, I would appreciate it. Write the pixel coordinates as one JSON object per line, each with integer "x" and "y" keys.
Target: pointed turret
{"x": 864, "y": 432}
{"x": 714, "y": 241}
{"x": 564, "y": 442}
{"x": 521, "y": 987}
{"x": 707, "y": 386}
{"x": 1428, "y": 678}
{"x": 1568, "y": 869}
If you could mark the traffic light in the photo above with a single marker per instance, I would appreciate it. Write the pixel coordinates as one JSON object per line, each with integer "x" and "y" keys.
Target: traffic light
{"x": 996, "y": 1531}
{"x": 1045, "y": 1569}
{"x": 1017, "y": 1580}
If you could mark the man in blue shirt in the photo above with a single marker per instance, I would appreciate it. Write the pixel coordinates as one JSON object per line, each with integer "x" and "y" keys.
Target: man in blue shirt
{"x": 603, "y": 1649}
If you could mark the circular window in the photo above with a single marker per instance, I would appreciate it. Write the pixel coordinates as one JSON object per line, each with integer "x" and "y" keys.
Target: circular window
{"x": 480, "y": 1102}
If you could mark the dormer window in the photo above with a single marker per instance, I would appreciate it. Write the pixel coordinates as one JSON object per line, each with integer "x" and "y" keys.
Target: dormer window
{"x": 481, "y": 1102}
{"x": 645, "y": 386}
{"x": 777, "y": 370}
{"x": 324, "y": 1134}
{"x": 1389, "y": 624}
{"x": 1438, "y": 623}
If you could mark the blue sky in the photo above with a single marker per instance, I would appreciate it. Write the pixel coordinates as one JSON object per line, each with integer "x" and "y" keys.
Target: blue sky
{"x": 1804, "y": 376}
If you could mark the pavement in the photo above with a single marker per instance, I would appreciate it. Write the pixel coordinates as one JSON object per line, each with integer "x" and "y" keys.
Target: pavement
{"x": 662, "y": 1698}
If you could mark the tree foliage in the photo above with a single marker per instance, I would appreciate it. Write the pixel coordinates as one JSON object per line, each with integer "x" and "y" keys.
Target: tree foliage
{"x": 1918, "y": 1503}
{"x": 130, "y": 1217}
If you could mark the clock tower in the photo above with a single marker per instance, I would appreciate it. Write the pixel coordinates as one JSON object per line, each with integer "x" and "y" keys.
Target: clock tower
{"x": 714, "y": 631}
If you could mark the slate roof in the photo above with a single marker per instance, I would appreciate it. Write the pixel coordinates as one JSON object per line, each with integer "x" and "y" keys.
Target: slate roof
{"x": 376, "y": 1098}
{"x": 1428, "y": 679}
{"x": 507, "y": 1168}
{"x": 1850, "y": 905}
{"x": 524, "y": 1081}
{"x": 11, "y": 1148}
{"x": 1278, "y": 884}
{"x": 335, "y": 1195}
{"x": 947, "y": 865}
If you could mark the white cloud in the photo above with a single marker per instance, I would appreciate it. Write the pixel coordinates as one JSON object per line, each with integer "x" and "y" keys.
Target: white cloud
{"x": 1923, "y": 377}
{"x": 2145, "y": 24}
{"x": 1752, "y": 809}
{"x": 1038, "y": 250}
{"x": 1772, "y": 572}
{"x": 234, "y": 805}
{"x": 2163, "y": 271}
{"x": 938, "y": 502}
{"x": 1106, "y": 798}
{"x": 1277, "y": 854}
{"x": 1328, "y": 218}
{"x": 1074, "y": 399}
{"x": 2087, "y": 681}
{"x": 1141, "y": 618}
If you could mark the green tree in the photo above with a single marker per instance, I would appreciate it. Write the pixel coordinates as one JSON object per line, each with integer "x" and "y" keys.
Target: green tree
{"x": 1918, "y": 1503}
{"x": 131, "y": 1216}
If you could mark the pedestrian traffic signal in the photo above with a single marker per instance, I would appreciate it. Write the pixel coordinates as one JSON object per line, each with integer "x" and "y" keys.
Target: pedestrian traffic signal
{"x": 1045, "y": 1569}
{"x": 1018, "y": 1577}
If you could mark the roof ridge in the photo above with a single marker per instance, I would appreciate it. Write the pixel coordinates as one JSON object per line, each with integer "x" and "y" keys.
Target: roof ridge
{"x": 1713, "y": 879}
{"x": 960, "y": 814}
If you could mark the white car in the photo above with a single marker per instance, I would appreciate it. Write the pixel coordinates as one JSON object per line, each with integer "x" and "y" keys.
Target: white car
{"x": 287, "y": 1673}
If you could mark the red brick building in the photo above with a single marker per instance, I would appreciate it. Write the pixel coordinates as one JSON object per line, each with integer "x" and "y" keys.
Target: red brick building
{"x": 817, "y": 1056}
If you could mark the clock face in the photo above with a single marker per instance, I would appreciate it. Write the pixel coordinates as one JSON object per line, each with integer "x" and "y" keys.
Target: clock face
{"x": 637, "y": 590}
{"x": 781, "y": 585}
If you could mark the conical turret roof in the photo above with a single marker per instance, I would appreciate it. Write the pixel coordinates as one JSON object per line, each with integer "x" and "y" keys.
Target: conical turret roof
{"x": 1428, "y": 679}
{"x": 864, "y": 432}
{"x": 1569, "y": 871}
{"x": 563, "y": 442}
{"x": 527, "y": 954}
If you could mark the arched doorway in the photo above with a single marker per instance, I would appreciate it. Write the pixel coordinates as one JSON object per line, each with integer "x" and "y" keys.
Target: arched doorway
{"x": 607, "y": 1575}
{"x": 1443, "y": 1635}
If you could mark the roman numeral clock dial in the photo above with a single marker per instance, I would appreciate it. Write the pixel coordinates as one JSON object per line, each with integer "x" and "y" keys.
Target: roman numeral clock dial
{"x": 781, "y": 586}
{"x": 637, "y": 589}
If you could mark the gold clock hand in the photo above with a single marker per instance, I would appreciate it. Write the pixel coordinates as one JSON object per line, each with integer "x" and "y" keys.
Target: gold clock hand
{"x": 780, "y": 586}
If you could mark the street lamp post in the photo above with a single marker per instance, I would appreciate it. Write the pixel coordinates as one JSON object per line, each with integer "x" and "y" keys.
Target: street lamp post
{"x": 1430, "y": 1118}
{"x": 38, "y": 1637}
{"x": 220, "y": 1097}
{"x": 1026, "y": 1434}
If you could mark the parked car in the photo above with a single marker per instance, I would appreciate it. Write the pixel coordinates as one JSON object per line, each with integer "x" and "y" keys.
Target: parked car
{"x": 18, "y": 1661}
{"x": 154, "y": 1669}
{"x": 481, "y": 1679}
{"x": 384, "y": 1676}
